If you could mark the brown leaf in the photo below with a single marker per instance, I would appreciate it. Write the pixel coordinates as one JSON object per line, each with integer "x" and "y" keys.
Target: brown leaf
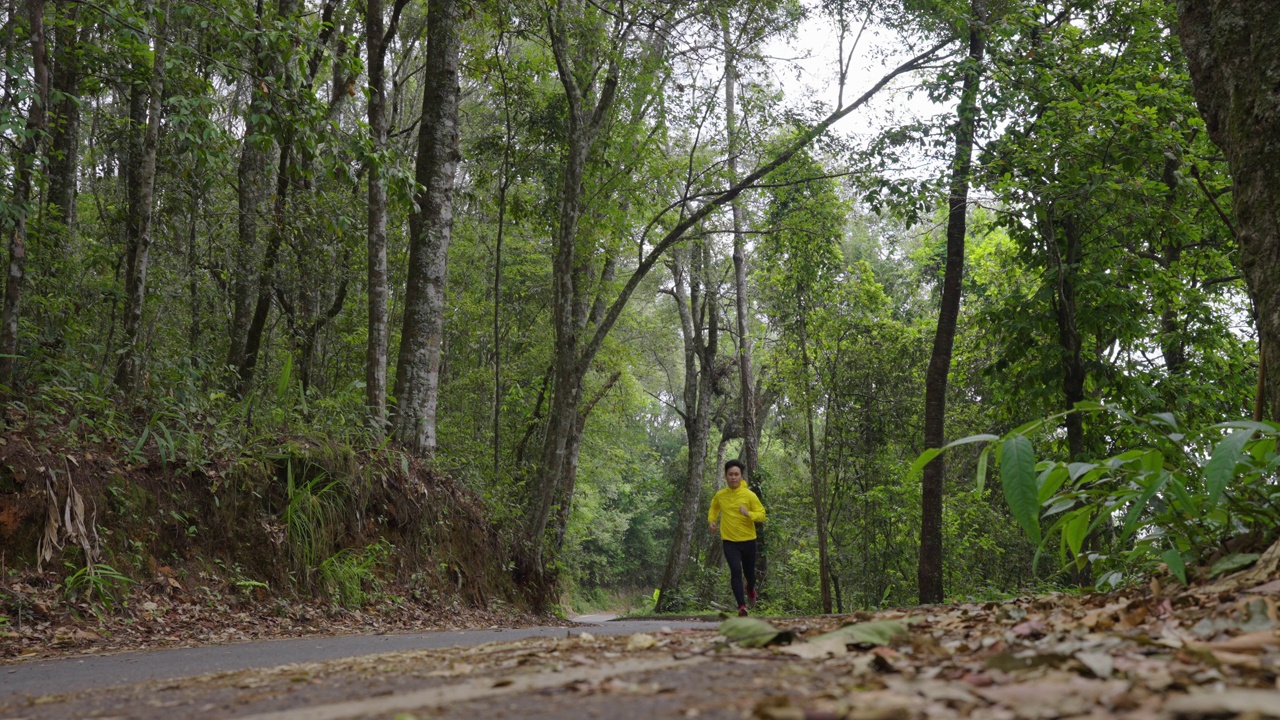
{"x": 1054, "y": 696}
{"x": 1249, "y": 642}
{"x": 1248, "y": 703}
{"x": 1030, "y": 628}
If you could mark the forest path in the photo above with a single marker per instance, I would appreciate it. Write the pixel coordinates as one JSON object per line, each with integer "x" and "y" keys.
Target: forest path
{"x": 78, "y": 674}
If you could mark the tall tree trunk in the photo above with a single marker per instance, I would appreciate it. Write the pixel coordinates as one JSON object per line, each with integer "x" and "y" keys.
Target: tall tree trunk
{"x": 746, "y": 384}
{"x": 193, "y": 279}
{"x": 129, "y": 369}
{"x": 929, "y": 578}
{"x": 36, "y": 124}
{"x": 251, "y": 173}
{"x": 697, "y": 298}
{"x": 64, "y": 124}
{"x": 557, "y": 470}
{"x": 267, "y": 274}
{"x": 418, "y": 366}
{"x": 1067, "y": 311}
{"x": 375, "y": 372}
{"x": 817, "y": 483}
{"x": 1233, "y": 53}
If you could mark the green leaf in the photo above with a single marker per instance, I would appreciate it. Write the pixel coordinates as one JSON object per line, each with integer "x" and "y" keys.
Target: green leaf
{"x": 282, "y": 385}
{"x": 881, "y": 632}
{"x": 1173, "y": 559}
{"x": 1049, "y": 482}
{"x": 1089, "y": 406}
{"x": 982, "y": 469}
{"x": 1222, "y": 464}
{"x": 1018, "y": 476}
{"x": 752, "y": 632}
{"x": 1140, "y": 503}
{"x": 928, "y": 455}
{"x": 1262, "y": 427}
{"x": 1233, "y": 562}
{"x": 1076, "y": 530}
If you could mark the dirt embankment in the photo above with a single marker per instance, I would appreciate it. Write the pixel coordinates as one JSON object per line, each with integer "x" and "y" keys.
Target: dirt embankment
{"x": 107, "y": 544}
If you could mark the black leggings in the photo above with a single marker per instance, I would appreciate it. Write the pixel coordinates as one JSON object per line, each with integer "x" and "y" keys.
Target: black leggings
{"x": 741, "y": 557}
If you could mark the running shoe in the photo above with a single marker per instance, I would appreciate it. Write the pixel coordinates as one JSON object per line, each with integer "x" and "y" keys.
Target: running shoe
{"x": 742, "y": 611}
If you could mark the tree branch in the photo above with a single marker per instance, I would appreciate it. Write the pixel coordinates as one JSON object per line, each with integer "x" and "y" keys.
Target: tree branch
{"x": 677, "y": 233}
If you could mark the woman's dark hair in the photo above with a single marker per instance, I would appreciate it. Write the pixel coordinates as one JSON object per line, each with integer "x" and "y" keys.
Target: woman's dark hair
{"x": 736, "y": 463}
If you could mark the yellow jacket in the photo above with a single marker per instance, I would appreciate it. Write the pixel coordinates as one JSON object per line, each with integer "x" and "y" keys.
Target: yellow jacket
{"x": 734, "y": 526}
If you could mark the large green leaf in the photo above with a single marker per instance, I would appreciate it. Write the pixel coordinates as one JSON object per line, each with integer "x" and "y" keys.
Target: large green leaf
{"x": 981, "y": 483}
{"x": 752, "y": 632}
{"x": 1234, "y": 562}
{"x": 1140, "y": 503}
{"x": 1173, "y": 559}
{"x": 1222, "y": 464}
{"x": 928, "y": 455}
{"x": 1018, "y": 476}
{"x": 1075, "y": 532}
{"x": 881, "y": 632}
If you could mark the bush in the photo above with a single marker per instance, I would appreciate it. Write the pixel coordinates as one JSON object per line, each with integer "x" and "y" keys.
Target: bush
{"x": 1181, "y": 498}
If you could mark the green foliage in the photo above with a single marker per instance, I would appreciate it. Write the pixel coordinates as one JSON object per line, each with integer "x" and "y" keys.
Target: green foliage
{"x": 1178, "y": 497}
{"x": 347, "y": 573}
{"x": 99, "y": 583}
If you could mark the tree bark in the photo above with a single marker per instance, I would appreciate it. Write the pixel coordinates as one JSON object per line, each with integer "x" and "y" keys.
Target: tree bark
{"x": 375, "y": 373}
{"x": 1233, "y": 53}
{"x": 930, "y": 581}
{"x": 1067, "y": 310}
{"x": 418, "y": 366}
{"x": 142, "y": 214}
{"x": 698, "y": 301}
{"x": 64, "y": 124}
{"x": 746, "y": 381}
{"x": 251, "y": 178}
{"x": 817, "y": 483}
{"x": 36, "y": 124}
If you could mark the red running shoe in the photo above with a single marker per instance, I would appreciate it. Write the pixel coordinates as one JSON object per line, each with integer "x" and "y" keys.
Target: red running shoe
{"x": 751, "y": 597}
{"x": 742, "y": 611}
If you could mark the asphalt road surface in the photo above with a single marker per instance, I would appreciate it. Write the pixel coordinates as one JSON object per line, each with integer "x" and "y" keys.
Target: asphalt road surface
{"x": 85, "y": 673}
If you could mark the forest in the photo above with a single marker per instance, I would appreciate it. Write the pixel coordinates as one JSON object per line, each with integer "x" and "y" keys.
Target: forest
{"x": 331, "y": 297}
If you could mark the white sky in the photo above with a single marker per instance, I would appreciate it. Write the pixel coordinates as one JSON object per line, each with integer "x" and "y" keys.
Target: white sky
{"x": 806, "y": 69}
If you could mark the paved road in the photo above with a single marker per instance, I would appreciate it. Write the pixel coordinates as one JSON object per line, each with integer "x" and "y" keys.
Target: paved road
{"x": 83, "y": 673}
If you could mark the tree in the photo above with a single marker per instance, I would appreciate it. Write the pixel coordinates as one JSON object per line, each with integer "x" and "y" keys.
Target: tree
{"x": 1232, "y": 48}
{"x": 935, "y": 393}
{"x": 142, "y": 185}
{"x": 696, "y": 289}
{"x": 417, "y": 388}
{"x": 33, "y": 132}
{"x": 583, "y": 314}
{"x": 802, "y": 267}
{"x": 377, "y": 37}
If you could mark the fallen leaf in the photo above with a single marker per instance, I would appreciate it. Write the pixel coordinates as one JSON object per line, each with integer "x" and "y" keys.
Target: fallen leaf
{"x": 1249, "y": 642}
{"x": 1250, "y": 703}
{"x": 752, "y": 632}
{"x": 1233, "y": 562}
{"x": 641, "y": 641}
{"x": 817, "y": 648}
{"x": 867, "y": 633}
{"x": 1271, "y": 588}
{"x": 1054, "y": 696}
{"x": 1030, "y": 628}
{"x": 1099, "y": 663}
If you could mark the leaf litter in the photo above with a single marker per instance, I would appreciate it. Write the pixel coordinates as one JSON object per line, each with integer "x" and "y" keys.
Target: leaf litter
{"x": 1206, "y": 652}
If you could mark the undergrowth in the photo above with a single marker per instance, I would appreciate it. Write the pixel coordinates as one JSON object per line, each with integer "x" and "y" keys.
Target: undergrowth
{"x": 277, "y": 491}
